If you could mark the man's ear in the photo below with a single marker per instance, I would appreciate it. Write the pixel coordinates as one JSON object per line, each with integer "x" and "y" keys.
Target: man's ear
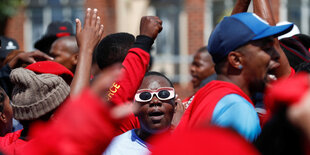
{"x": 74, "y": 58}
{"x": 3, "y": 117}
{"x": 235, "y": 59}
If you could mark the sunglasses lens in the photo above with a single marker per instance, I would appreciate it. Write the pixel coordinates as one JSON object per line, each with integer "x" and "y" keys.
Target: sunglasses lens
{"x": 163, "y": 94}
{"x": 145, "y": 96}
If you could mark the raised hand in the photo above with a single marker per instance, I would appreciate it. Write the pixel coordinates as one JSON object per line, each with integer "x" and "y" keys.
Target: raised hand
{"x": 92, "y": 32}
{"x": 87, "y": 39}
{"x": 178, "y": 112}
{"x": 150, "y": 26}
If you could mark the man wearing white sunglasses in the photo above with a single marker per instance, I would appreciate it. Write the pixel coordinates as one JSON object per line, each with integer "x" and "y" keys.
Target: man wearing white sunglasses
{"x": 155, "y": 100}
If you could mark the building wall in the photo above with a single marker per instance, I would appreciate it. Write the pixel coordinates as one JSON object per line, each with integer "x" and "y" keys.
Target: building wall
{"x": 195, "y": 14}
{"x": 107, "y": 10}
{"x": 15, "y": 28}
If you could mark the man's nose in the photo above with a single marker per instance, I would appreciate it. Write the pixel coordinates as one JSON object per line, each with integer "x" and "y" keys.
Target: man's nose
{"x": 155, "y": 101}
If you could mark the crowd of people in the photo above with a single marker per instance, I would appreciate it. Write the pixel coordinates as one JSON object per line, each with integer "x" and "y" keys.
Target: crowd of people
{"x": 85, "y": 93}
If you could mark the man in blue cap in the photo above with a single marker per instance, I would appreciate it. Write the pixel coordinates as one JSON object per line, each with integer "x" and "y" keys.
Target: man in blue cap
{"x": 241, "y": 46}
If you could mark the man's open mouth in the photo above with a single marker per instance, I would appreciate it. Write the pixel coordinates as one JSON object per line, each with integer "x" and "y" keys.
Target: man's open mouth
{"x": 271, "y": 71}
{"x": 156, "y": 116}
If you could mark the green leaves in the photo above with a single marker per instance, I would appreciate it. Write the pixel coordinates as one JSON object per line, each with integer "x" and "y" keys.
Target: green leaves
{"x": 8, "y": 8}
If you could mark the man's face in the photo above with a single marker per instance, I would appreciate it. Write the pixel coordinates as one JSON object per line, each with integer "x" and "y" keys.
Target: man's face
{"x": 257, "y": 58}
{"x": 156, "y": 114}
{"x": 6, "y": 114}
{"x": 61, "y": 54}
{"x": 201, "y": 67}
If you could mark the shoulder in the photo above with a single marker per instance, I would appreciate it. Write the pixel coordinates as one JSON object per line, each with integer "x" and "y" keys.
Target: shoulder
{"x": 123, "y": 137}
{"x": 236, "y": 112}
{"x": 234, "y": 105}
{"x": 234, "y": 101}
{"x": 126, "y": 143}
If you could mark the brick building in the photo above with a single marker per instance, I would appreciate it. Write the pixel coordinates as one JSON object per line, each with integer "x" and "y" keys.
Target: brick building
{"x": 187, "y": 24}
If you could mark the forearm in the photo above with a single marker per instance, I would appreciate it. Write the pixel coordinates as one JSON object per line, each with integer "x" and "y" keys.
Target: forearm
{"x": 263, "y": 9}
{"x": 241, "y": 6}
{"x": 82, "y": 72}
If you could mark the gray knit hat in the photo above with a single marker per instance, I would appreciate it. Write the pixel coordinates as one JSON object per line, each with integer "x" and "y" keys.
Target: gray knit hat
{"x": 34, "y": 95}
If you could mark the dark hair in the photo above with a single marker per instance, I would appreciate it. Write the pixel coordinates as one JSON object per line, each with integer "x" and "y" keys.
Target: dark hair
{"x": 303, "y": 67}
{"x": 219, "y": 65}
{"x": 158, "y": 74}
{"x": 203, "y": 49}
{"x": 113, "y": 48}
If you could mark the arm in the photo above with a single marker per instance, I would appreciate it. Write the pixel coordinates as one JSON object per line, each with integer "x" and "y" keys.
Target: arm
{"x": 136, "y": 61}
{"x": 87, "y": 39}
{"x": 178, "y": 113}
{"x": 28, "y": 58}
{"x": 134, "y": 67}
{"x": 21, "y": 59}
{"x": 241, "y": 6}
{"x": 263, "y": 9}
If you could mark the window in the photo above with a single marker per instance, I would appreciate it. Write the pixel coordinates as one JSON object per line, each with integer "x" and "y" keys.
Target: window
{"x": 296, "y": 11}
{"x": 40, "y": 13}
{"x": 167, "y": 53}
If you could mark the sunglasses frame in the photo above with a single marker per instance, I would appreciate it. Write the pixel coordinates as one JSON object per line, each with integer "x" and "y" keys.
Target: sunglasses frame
{"x": 169, "y": 89}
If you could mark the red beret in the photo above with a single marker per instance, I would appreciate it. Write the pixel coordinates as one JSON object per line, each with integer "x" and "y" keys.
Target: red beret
{"x": 50, "y": 67}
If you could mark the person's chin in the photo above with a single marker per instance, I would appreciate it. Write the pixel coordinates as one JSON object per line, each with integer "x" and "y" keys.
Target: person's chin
{"x": 258, "y": 86}
{"x": 195, "y": 83}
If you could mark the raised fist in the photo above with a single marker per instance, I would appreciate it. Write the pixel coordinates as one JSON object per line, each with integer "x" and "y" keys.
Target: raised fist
{"x": 150, "y": 26}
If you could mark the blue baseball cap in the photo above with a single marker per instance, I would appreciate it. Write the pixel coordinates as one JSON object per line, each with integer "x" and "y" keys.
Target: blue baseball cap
{"x": 237, "y": 30}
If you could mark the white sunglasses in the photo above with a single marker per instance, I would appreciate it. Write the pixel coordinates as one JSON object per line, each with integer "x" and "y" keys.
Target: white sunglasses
{"x": 162, "y": 93}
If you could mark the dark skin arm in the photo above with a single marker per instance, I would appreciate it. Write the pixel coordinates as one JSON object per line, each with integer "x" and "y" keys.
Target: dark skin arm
{"x": 241, "y": 6}
{"x": 87, "y": 39}
{"x": 150, "y": 26}
{"x": 28, "y": 58}
{"x": 263, "y": 9}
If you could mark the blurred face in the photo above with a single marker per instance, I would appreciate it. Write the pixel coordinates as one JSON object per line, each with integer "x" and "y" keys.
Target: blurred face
{"x": 201, "y": 67}
{"x": 6, "y": 115}
{"x": 61, "y": 54}
{"x": 155, "y": 99}
{"x": 257, "y": 56}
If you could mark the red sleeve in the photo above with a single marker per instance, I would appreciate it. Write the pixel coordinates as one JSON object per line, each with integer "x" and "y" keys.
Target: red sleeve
{"x": 134, "y": 68}
{"x": 81, "y": 126}
{"x": 122, "y": 91}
